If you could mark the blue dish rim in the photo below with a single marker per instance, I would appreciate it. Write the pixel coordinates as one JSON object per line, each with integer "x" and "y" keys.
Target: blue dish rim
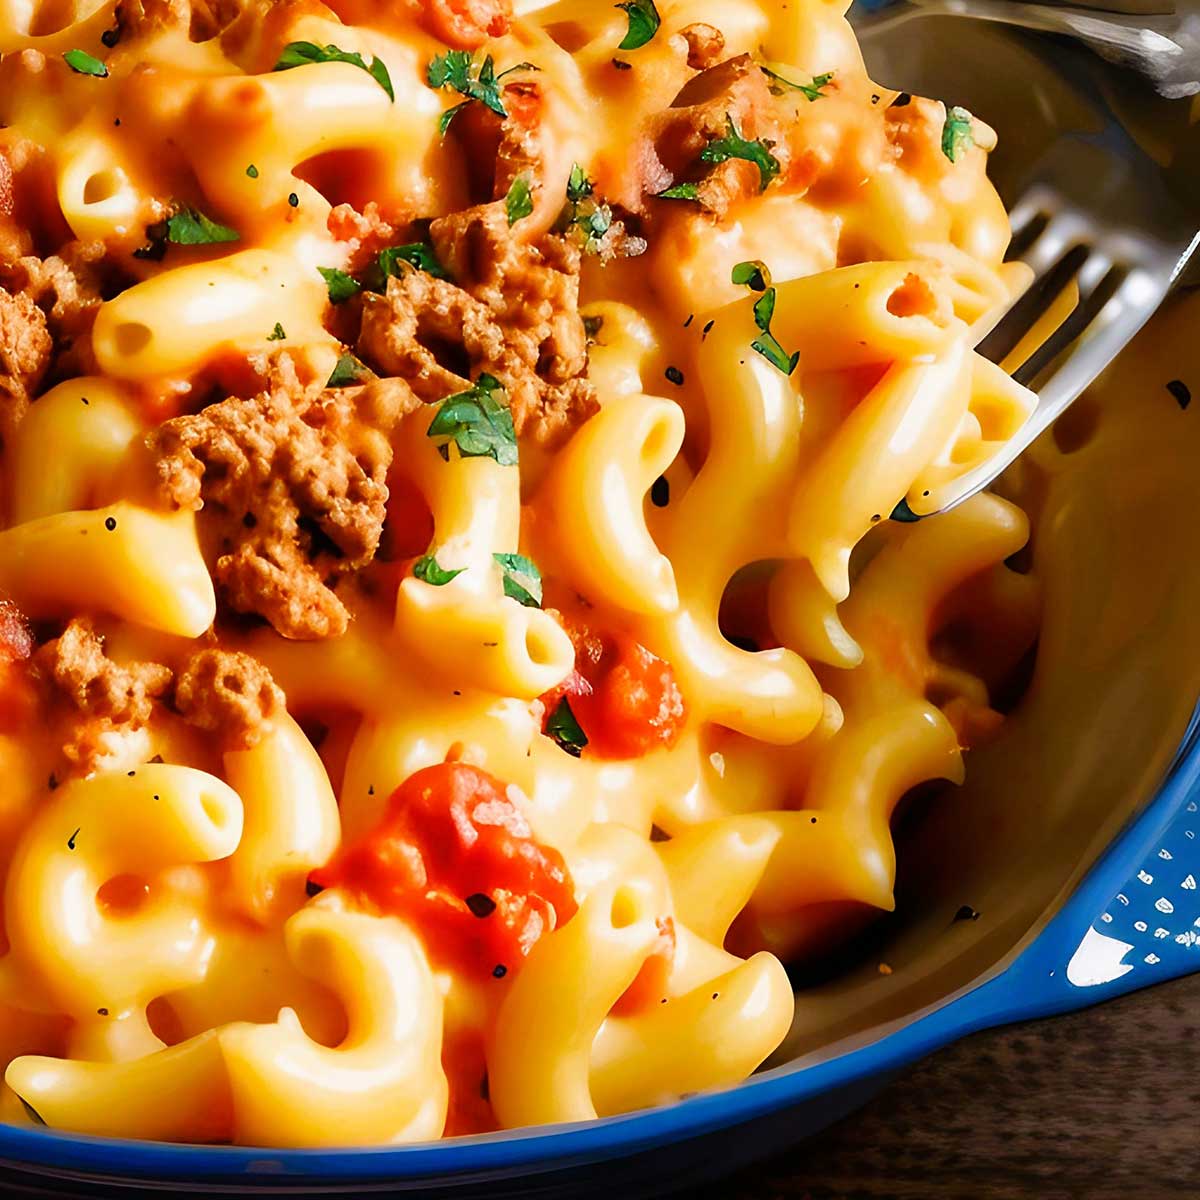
{"x": 990, "y": 1001}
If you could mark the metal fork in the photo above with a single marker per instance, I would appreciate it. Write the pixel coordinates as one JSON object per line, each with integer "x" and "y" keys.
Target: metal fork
{"x": 1094, "y": 210}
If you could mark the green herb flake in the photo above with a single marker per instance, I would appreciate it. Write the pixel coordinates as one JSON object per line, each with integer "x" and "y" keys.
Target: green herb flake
{"x": 303, "y": 54}
{"x": 478, "y": 422}
{"x": 585, "y": 216}
{"x": 458, "y": 71}
{"x": 420, "y": 255}
{"x": 579, "y": 186}
{"x": 681, "y": 191}
{"x": 276, "y": 334}
{"x": 82, "y": 63}
{"x": 190, "y": 227}
{"x": 755, "y": 151}
{"x": 812, "y": 91}
{"x": 427, "y": 570}
{"x": 592, "y": 327}
{"x": 904, "y": 514}
{"x": 563, "y": 727}
{"x": 340, "y": 285}
{"x": 757, "y": 278}
{"x": 519, "y": 201}
{"x": 753, "y": 274}
{"x": 522, "y": 579}
{"x": 767, "y": 345}
{"x": 252, "y": 171}
{"x": 348, "y": 372}
{"x": 643, "y": 23}
{"x": 956, "y": 133}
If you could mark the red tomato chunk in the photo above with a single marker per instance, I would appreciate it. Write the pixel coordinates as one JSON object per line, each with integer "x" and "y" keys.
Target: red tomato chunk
{"x": 456, "y": 856}
{"x": 625, "y": 698}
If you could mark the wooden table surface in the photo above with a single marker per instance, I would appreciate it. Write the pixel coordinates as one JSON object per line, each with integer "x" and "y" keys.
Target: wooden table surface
{"x": 1096, "y": 1105}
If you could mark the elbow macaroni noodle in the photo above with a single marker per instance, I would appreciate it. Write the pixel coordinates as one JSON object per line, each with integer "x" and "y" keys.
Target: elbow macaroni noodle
{"x": 730, "y": 518}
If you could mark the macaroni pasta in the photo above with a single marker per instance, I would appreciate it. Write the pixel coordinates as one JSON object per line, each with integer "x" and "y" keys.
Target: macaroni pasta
{"x": 460, "y": 629}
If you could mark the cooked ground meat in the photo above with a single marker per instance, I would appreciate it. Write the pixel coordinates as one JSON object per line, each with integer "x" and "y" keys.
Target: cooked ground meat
{"x": 202, "y": 19}
{"x": 228, "y": 693}
{"x": 512, "y": 311}
{"x": 732, "y": 91}
{"x": 99, "y": 696}
{"x": 67, "y": 288}
{"x": 93, "y": 684}
{"x": 705, "y": 44}
{"x": 25, "y": 350}
{"x": 291, "y": 483}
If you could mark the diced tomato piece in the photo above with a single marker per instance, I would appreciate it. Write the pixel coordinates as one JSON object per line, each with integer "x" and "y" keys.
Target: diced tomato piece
{"x": 456, "y": 855}
{"x": 466, "y": 24}
{"x": 625, "y": 698}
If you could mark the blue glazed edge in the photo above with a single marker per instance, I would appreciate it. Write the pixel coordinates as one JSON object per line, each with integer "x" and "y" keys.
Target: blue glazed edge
{"x": 1037, "y": 983}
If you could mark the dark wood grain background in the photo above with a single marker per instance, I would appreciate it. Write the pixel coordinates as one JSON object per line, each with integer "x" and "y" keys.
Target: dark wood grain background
{"x": 1102, "y": 1104}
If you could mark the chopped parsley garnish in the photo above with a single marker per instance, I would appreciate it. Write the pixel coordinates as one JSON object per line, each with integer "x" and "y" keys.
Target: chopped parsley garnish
{"x": 276, "y": 334}
{"x": 681, "y": 191}
{"x": 478, "y": 423}
{"x": 592, "y": 327}
{"x": 643, "y": 23}
{"x": 522, "y": 579}
{"x": 190, "y": 227}
{"x": 752, "y": 274}
{"x": 340, "y": 285}
{"x": 767, "y": 345}
{"x": 348, "y": 372}
{"x": 427, "y": 570}
{"x": 579, "y": 186}
{"x": 584, "y": 215}
{"x": 757, "y": 278}
{"x": 302, "y": 54}
{"x": 252, "y": 171}
{"x": 565, "y": 729}
{"x": 956, "y": 133}
{"x": 519, "y": 201}
{"x": 733, "y": 145}
{"x": 187, "y": 226}
{"x": 293, "y": 200}
{"x": 82, "y": 63}
{"x": 458, "y": 71}
{"x": 813, "y": 91}
{"x": 417, "y": 254}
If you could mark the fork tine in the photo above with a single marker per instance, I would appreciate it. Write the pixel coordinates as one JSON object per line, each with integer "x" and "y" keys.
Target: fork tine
{"x": 1083, "y": 322}
{"x": 1029, "y": 308}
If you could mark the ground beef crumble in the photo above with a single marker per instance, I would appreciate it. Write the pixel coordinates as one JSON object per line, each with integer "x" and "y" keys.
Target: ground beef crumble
{"x": 25, "y": 351}
{"x": 89, "y": 695}
{"x": 99, "y": 695}
{"x": 228, "y": 693}
{"x": 292, "y": 487}
{"x": 512, "y": 311}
